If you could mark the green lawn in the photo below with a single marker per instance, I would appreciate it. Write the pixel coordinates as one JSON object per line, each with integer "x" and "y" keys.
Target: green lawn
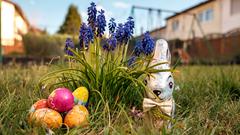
{"x": 208, "y": 102}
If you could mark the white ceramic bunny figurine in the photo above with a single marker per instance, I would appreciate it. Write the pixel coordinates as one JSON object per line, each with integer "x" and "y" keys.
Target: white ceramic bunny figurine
{"x": 159, "y": 104}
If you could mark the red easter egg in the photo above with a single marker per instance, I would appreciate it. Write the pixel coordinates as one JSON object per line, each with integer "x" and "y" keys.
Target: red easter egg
{"x": 39, "y": 104}
{"x": 61, "y": 100}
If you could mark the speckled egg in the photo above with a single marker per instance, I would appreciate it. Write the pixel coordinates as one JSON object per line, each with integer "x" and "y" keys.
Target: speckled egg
{"x": 46, "y": 117}
{"x": 78, "y": 116}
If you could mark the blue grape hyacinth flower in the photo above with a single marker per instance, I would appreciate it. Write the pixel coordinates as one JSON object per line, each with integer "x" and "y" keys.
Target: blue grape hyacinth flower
{"x": 130, "y": 24}
{"x": 101, "y": 23}
{"x": 86, "y": 34}
{"x": 125, "y": 32}
{"x": 128, "y": 29}
{"x": 92, "y": 13}
{"x": 111, "y": 43}
{"x": 106, "y": 47}
{"x": 112, "y": 26}
{"x": 69, "y": 44}
{"x": 120, "y": 33}
{"x": 138, "y": 48}
{"x": 147, "y": 43}
{"x": 131, "y": 60}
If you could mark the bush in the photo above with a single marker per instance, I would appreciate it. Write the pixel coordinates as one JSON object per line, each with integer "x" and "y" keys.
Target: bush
{"x": 43, "y": 45}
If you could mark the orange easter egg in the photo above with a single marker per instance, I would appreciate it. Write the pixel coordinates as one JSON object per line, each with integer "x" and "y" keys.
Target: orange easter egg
{"x": 78, "y": 116}
{"x": 46, "y": 117}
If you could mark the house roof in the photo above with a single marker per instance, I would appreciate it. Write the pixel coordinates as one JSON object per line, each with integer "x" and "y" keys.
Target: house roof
{"x": 158, "y": 29}
{"x": 18, "y": 8}
{"x": 190, "y": 8}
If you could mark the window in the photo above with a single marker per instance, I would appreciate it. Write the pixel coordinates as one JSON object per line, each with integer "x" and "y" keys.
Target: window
{"x": 175, "y": 25}
{"x": 206, "y": 15}
{"x": 235, "y": 4}
{"x": 209, "y": 15}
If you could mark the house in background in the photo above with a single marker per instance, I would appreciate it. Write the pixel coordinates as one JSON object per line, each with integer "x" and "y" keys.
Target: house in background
{"x": 211, "y": 17}
{"x": 197, "y": 21}
{"x": 14, "y": 25}
{"x": 158, "y": 33}
{"x": 230, "y": 15}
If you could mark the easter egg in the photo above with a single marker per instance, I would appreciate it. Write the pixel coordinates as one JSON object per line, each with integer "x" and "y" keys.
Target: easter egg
{"x": 46, "y": 117}
{"x": 61, "y": 100}
{"x": 81, "y": 95}
{"x": 39, "y": 104}
{"x": 78, "y": 116}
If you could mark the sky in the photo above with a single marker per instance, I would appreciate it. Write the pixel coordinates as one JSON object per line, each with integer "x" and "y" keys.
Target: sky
{"x": 50, "y": 14}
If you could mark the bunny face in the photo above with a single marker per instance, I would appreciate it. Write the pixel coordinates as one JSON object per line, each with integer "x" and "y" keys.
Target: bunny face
{"x": 161, "y": 84}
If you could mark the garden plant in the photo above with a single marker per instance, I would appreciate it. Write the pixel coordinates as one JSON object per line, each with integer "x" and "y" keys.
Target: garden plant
{"x": 114, "y": 80}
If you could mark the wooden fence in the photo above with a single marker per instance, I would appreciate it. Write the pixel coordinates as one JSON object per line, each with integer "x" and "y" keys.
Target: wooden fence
{"x": 224, "y": 49}
{"x": 219, "y": 50}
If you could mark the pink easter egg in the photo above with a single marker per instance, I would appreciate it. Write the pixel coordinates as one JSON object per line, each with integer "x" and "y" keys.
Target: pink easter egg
{"x": 61, "y": 100}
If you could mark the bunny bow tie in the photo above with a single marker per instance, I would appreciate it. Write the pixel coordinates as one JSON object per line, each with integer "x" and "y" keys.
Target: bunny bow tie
{"x": 165, "y": 106}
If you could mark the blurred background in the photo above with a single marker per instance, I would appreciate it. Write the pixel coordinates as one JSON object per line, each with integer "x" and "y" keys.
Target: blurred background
{"x": 198, "y": 31}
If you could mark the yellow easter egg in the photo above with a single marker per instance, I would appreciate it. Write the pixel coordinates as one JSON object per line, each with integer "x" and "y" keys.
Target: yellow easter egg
{"x": 81, "y": 95}
{"x": 78, "y": 116}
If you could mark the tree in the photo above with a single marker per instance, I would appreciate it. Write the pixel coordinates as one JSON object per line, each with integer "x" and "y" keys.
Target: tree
{"x": 72, "y": 22}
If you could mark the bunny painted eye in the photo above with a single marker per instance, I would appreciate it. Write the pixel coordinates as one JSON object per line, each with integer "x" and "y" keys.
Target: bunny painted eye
{"x": 170, "y": 85}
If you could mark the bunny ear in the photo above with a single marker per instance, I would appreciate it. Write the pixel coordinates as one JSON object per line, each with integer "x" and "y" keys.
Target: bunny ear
{"x": 161, "y": 52}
